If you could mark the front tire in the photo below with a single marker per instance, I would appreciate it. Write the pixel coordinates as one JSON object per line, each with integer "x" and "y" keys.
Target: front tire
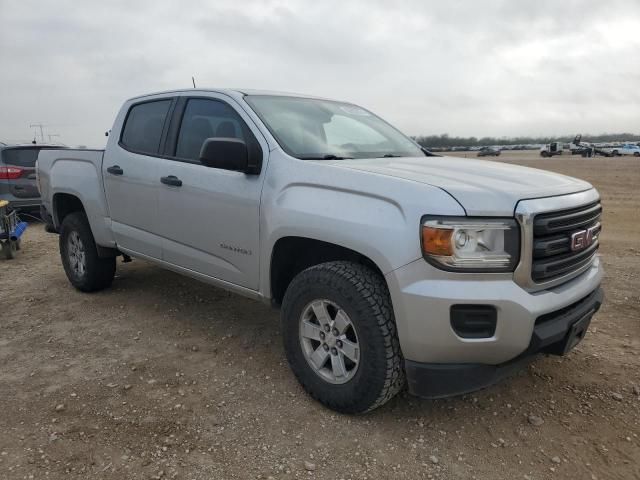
{"x": 340, "y": 336}
{"x": 84, "y": 268}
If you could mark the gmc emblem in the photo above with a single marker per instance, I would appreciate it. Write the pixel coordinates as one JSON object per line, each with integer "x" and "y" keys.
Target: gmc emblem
{"x": 583, "y": 238}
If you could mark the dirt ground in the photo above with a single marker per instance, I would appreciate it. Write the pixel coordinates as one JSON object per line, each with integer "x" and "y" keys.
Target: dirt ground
{"x": 164, "y": 377}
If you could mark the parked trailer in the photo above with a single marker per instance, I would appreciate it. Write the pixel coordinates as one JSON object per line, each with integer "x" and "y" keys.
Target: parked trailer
{"x": 590, "y": 150}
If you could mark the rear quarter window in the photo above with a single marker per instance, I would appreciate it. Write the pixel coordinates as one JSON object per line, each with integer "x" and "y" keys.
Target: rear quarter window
{"x": 143, "y": 126}
{"x": 20, "y": 157}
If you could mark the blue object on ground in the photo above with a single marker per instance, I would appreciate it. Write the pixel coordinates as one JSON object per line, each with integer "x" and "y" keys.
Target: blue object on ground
{"x": 18, "y": 231}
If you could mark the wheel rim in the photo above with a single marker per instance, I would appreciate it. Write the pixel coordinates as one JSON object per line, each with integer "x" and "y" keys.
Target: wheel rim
{"x": 329, "y": 341}
{"x": 77, "y": 258}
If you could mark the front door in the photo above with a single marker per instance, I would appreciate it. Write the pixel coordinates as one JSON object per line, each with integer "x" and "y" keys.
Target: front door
{"x": 209, "y": 216}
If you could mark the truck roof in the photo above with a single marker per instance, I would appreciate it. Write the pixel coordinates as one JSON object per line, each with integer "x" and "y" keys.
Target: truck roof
{"x": 232, "y": 92}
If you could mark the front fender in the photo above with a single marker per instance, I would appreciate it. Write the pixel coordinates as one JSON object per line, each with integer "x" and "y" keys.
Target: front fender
{"x": 374, "y": 215}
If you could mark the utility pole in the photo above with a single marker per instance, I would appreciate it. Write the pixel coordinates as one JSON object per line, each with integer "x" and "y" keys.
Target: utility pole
{"x": 41, "y": 126}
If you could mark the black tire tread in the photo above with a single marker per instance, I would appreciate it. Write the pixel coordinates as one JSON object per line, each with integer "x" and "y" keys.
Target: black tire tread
{"x": 100, "y": 271}
{"x": 371, "y": 289}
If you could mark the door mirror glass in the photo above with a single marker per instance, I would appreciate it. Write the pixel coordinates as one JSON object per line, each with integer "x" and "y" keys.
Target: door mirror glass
{"x": 225, "y": 153}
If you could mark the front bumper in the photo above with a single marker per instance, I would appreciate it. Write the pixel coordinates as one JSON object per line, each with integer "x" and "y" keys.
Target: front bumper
{"x": 555, "y": 333}
{"x": 422, "y": 297}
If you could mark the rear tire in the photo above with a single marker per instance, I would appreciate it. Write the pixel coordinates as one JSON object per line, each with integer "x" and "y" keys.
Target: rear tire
{"x": 636, "y": 154}
{"x": 348, "y": 293}
{"x": 84, "y": 268}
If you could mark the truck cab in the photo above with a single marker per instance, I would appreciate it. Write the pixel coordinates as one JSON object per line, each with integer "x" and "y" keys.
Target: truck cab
{"x": 551, "y": 149}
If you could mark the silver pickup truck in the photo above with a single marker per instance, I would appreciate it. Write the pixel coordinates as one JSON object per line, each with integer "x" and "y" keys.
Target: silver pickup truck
{"x": 391, "y": 266}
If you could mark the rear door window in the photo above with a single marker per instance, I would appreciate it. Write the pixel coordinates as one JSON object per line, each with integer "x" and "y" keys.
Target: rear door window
{"x": 20, "y": 157}
{"x": 143, "y": 127}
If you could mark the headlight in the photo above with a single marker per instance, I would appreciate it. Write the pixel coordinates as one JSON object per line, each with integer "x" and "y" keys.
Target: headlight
{"x": 471, "y": 244}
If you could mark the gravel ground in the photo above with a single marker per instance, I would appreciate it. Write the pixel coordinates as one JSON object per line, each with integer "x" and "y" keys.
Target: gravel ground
{"x": 164, "y": 377}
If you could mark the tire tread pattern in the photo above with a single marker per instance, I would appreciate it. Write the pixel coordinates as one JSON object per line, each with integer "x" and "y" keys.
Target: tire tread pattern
{"x": 371, "y": 291}
{"x": 100, "y": 271}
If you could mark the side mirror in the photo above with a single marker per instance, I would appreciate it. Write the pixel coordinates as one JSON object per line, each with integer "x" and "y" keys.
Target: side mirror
{"x": 429, "y": 153}
{"x": 225, "y": 153}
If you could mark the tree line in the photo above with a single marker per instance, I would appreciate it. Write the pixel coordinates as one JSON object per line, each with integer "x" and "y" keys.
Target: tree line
{"x": 445, "y": 140}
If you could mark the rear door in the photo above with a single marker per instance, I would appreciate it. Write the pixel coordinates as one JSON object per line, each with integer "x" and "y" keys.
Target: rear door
{"x": 130, "y": 172}
{"x": 18, "y": 175}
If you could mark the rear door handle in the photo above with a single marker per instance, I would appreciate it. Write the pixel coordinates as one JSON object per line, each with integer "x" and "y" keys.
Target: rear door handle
{"x": 171, "y": 180}
{"x": 115, "y": 170}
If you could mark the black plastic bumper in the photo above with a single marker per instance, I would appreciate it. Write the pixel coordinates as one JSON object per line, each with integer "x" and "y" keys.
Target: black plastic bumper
{"x": 555, "y": 333}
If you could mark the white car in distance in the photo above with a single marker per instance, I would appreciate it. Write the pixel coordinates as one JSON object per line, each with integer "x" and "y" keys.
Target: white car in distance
{"x": 628, "y": 149}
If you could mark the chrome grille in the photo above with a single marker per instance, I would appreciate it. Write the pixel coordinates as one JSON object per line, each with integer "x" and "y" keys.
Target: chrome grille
{"x": 552, "y": 255}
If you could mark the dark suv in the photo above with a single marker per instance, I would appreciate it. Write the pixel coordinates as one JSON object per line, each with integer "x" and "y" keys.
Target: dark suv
{"x": 488, "y": 152}
{"x": 18, "y": 175}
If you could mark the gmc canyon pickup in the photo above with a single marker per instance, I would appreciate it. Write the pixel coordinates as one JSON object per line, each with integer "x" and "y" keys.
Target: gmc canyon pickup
{"x": 391, "y": 266}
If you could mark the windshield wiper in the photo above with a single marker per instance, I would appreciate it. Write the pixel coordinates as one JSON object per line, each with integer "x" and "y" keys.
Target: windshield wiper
{"x": 329, "y": 156}
{"x": 389, "y": 155}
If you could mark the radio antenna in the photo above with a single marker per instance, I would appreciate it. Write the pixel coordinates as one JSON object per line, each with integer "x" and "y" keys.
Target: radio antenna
{"x": 194, "y": 82}
{"x": 41, "y": 126}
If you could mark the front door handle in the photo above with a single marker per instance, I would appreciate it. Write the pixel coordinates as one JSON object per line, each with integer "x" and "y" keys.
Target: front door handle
{"x": 115, "y": 170}
{"x": 171, "y": 180}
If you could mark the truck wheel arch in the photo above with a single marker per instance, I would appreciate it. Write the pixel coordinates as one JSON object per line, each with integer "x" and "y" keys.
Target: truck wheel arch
{"x": 63, "y": 205}
{"x": 291, "y": 255}
{"x": 66, "y": 203}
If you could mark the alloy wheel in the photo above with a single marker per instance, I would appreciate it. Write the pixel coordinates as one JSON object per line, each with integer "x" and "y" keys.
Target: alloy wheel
{"x": 329, "y": 341}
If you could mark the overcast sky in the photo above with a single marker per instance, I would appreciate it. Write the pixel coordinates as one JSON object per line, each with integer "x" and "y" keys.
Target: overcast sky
{"x": 503, "y": 68}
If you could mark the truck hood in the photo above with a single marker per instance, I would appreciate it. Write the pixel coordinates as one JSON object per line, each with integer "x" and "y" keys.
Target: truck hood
{"x": 481, "y": 187}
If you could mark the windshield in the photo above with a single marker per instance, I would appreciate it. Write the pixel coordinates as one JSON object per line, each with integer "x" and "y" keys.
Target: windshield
{"x": 310, "y": 128}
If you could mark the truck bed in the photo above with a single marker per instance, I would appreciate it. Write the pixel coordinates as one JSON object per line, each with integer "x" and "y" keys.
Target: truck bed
{"x": 73, "y": 162}
{"x": 76, "y": 173}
